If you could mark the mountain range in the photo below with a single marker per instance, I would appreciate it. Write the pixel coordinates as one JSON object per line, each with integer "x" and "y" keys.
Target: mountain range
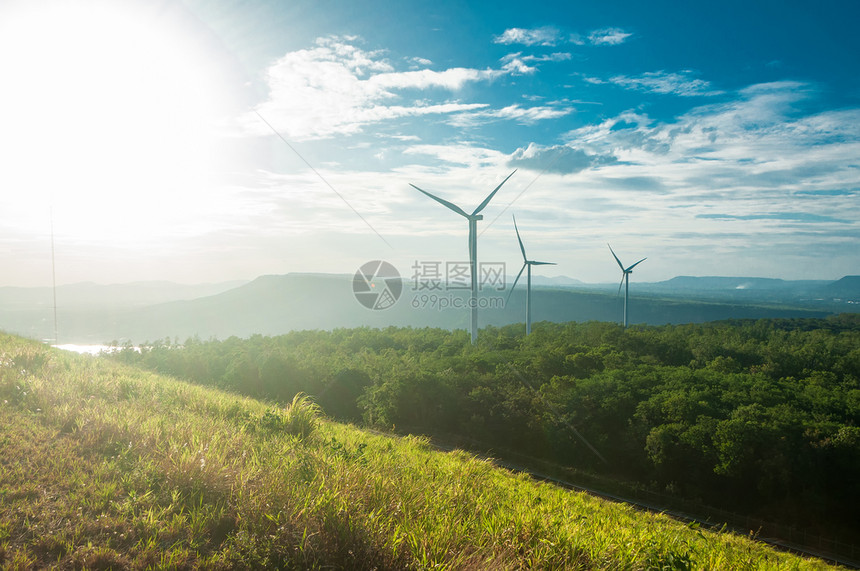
{"x": 275, "y": 304}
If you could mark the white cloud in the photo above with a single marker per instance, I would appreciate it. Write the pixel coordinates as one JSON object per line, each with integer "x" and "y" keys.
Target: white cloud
{"x": 515, "y": 65}
{"x": 556, "y": 56}
{"x": 560, "y": 159}
{"x": 549, "y": 36}
{"x": 339, "y": 50}
{"x": 518, "y": 64}
{"x": 465, "y": 154}
{"x": 450, "y": 79}
{"x": 608, "y": 36}
{"x": 338, "y": 88}
{"x": 515, "y": 112}
{"x": 736, "y": 159}
{"x": 546, "y": 36}
{"x": 593, "y": 80}
{"x": 674, "y": 83}
{"x": 530, "y": 114}
{"x": 406, "y": 137}
{"x": 576, "y": 39}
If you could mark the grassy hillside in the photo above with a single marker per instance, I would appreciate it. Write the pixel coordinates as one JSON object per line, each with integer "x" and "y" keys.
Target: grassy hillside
{"x": 105, "y": 466}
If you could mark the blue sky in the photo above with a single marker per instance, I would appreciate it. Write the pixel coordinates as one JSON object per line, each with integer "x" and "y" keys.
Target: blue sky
{"x": 715, "y": 139}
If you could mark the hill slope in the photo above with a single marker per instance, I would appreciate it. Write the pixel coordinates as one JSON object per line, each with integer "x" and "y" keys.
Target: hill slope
{"x": 847, "y": 288}
{"x": 110, "y": 467}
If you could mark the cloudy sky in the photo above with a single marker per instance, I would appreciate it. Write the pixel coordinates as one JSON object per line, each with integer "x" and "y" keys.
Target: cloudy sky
{"x": 208, "y": 141}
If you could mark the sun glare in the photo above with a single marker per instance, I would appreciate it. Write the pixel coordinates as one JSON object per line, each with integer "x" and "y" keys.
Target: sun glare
{"x": 108, "y": 112}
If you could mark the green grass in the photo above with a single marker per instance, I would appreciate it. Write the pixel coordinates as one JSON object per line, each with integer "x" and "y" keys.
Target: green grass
{"x": 107, "y": 467}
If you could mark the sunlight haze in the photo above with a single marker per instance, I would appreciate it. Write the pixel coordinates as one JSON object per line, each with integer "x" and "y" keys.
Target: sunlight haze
{"x": 213, "y": 141}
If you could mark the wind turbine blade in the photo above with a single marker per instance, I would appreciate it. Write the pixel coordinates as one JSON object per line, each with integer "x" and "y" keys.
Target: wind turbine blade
{"x": 515, "y": 284}
{"x": 520, "y": 240}
{"x": 442, "y": 201}
{"x": 630, "y": 269}
{"x": 490, "y": 197}
{"x": 620, "y": 265}
{"x": 621, "y": 284}
{"x": 543, "y": 263}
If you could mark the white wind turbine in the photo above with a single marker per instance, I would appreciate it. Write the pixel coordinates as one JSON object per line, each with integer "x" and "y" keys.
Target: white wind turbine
{"x": 473, "y": 244}
{"x": 625, "y": 279}
{"x": 526, "y": 264}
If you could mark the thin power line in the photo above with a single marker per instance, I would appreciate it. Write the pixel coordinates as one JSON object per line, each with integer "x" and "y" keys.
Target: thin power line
{"x": 322, "y": 178}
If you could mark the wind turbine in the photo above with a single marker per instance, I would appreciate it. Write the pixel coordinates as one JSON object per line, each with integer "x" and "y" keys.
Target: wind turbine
{"x": 526, "y": 264}
{"x": 473, "y": 244}
{"x": 625, "y": 280}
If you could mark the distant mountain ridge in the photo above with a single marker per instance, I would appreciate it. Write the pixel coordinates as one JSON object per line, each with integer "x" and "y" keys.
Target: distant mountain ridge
{"x": 101, "y": 295}
{"x": 276, "y": 304}
{"x": 847, "y": 287}
{"x": 770, "y": 290}
{"x": 719, "y": 282}
{"x": 553, "y": 281}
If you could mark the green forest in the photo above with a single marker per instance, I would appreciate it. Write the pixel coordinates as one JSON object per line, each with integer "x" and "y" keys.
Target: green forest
{"x": 760, "y": 417}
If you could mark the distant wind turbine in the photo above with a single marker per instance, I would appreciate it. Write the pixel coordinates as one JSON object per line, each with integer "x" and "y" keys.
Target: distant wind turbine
{"x": 473, "y": 244}
{"x": 526, "y": 264}
{"x": 625, "y": 280}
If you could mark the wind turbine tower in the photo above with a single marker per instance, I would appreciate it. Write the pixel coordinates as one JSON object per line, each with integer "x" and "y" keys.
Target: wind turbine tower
{"x": 473, "y": 244}
{"x": 526, "y": 264}
{"x": 625, "y": 280}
